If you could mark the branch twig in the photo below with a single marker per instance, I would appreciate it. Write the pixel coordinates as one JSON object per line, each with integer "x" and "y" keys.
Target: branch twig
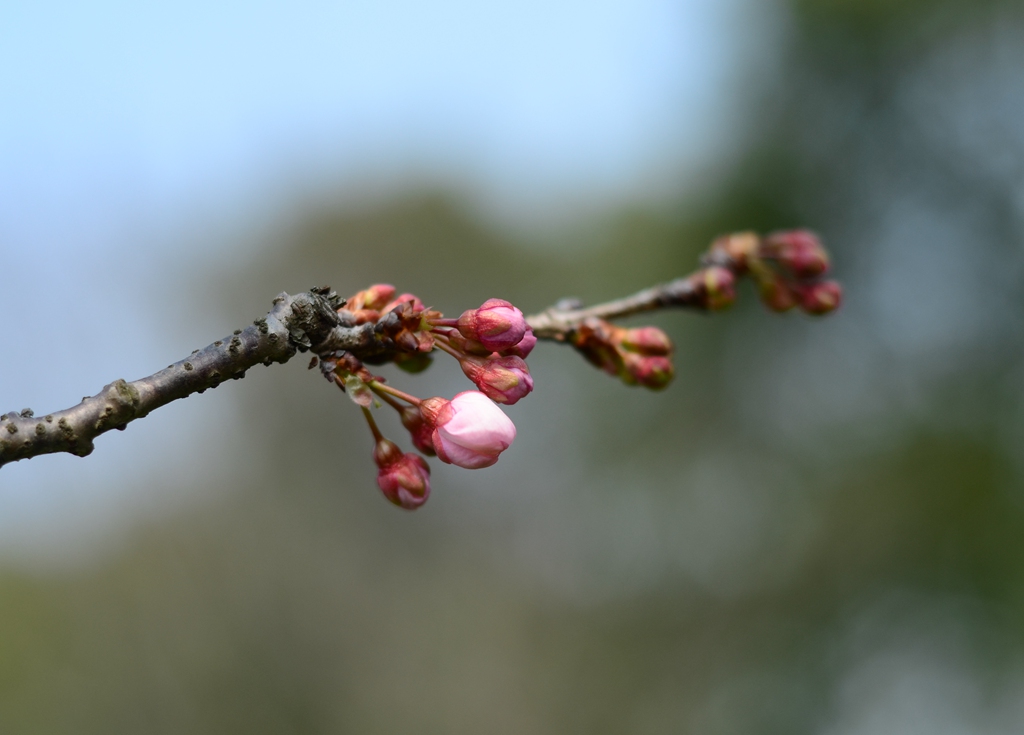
{"x": 306, "y": 321}
{"x": 557, "y": 321}
{"x": 311, "y": 321}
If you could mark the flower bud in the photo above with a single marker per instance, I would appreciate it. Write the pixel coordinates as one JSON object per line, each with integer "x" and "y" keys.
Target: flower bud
{"x": 653, "y": 371}
{"x": 497, "y": 325}
{"x": 820, "y": 298}
{"x": 469, "y": 430}
{"x": 403, "y": 478}
{"x": 525, "y": 346}
{"x": 597, "y": 340}
{"x": 503, "y": 379}
{"x": 799, "y": 252}
{"x": 419, "y": 430}
{"x": 374, "y": 298}
{"x": 720, "y": 288}
{"x": 738, "y": 248}
{"x": 646, "y": 341}
{"x": 776, "y": 294}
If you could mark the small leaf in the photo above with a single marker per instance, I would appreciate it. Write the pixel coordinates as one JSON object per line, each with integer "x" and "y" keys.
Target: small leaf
{"x": 358, "y": 391}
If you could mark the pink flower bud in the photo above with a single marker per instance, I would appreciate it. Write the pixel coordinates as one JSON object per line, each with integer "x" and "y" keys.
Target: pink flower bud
{"x": 406, "y": 298}
{"x": 820, "y": 298}
{"x": 798, "y": 251}
{"x": 376, "y": 296}
{"x": 469, "y": 430}
{"x": 497, "y": 325}
{"x": 525, "y": 346}
{"x": 654, "y": 372}
{"x": 720, "y": 287}
{"x": 373, "y": 299}
{"x": 503, "y": 379}
{"x": 738, "y": 249}
{"x": 403, "y": 478}
{"x": 419, "y": 430}
{"x": 646, "y": 341}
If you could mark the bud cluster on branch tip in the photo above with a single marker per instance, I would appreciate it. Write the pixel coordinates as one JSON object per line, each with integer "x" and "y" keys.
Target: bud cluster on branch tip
{"x": 714, "y": 288}
{"x": 787, "y": 266}
{"x": 491, "y": 344}
{"x": 640, "y": 356}
{"x": 403, "y": 478}
{"x": 469, "y": 430}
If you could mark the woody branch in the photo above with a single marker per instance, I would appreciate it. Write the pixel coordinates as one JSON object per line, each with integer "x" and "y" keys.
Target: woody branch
{"x": 315, "y": 321}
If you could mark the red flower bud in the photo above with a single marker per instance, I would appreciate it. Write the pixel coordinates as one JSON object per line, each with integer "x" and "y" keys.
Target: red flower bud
{"x": 654, "y": 371}
{"x": 403, "y": 478}
{"x": 720, "y": 287}
{"x": 737, "y": 248}
{"x": 820, "y": 298}
{"x": 497, "y": 325}
{"x": 469, "y": 430}
{"x": 503, "y": 379}
{"x": 799, "y": 252}
{"x": 645, "y": 341}
{"x": 419, "y": 429}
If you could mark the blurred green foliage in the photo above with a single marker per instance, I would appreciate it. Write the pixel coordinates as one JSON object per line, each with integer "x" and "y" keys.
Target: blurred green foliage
{"x": 818, "y": 517}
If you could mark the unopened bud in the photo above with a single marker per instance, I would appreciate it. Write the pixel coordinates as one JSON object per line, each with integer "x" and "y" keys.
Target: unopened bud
{"x": 654, "y": 372}
{"x": 419, "y": 429}
{"x": 820, "y": 298}
{"x": 525, "y": 346}
{"x": 737, "y": 249}
{"x": 799, "y": 252}
{"x": 503, "y": 379}
{"x": 646, "y": 341}
{"x": 403, "y": 478}
{"x": 720, "y": 287}
{"x": 377, "y": 296}
{"x": 497, "y": 325}
{"x": 469, "y": 430}
{"x": 597, "y": 341}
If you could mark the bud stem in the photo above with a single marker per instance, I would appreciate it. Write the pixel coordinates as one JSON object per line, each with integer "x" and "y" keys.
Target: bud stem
{"x": 388, "y": 399}
{"x": 378, "y": 388}
{"x": 444, "y": 345}
{"x": 377, "y": 436}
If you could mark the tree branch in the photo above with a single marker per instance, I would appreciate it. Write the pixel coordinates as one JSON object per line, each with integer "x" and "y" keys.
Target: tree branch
{"x": 556, "y": 322}
{"x": 315, "y": 321}
{"x": 296, "y": 323}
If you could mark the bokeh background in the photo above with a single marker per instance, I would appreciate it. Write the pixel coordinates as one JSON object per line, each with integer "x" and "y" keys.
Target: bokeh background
{"x": 818, "y": 528}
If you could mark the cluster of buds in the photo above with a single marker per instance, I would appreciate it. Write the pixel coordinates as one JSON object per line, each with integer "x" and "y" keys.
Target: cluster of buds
{"x": 788, "y": 267}
{"x": 490, "y": 343}
{"x": 639, "y": 356}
